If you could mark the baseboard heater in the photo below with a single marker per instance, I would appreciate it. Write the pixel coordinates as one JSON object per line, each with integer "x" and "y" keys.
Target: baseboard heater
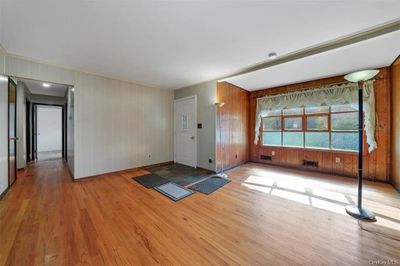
{"x": 310, "y": 163}
{"x": 266, "y": 157}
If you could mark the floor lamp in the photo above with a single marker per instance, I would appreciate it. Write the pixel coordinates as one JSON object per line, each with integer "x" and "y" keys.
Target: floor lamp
{"x": 360, "y": 77}
{"x": 219, "y": 106}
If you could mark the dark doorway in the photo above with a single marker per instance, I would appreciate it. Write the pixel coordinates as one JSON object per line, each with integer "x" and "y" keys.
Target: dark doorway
{"x": 12, "y": 132}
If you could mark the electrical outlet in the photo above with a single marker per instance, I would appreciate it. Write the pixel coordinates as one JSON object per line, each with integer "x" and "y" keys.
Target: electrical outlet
{"x": 337, "y": 159}
{"x": 273, "y": 153}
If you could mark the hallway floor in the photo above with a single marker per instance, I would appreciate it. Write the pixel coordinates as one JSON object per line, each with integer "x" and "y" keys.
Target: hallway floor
{"x": 266, "y": 215}
{"x": 49, "y": 155}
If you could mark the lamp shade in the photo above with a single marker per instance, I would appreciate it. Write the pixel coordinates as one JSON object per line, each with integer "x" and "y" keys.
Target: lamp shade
{"x": 361, "y": 75}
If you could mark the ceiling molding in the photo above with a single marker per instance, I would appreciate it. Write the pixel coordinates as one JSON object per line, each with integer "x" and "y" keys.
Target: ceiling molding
{"x": 323, "y": 47}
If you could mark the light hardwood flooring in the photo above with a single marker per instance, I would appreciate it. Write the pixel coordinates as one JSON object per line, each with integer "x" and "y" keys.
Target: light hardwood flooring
{"x": 265, "y": 216}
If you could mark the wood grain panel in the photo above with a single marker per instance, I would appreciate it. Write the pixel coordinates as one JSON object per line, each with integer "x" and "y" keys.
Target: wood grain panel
{"x": 327, "y": 161}
{"x": 234, "y": 117}
{"x": 395, "y": 124}
{"x": 376, "y": 164}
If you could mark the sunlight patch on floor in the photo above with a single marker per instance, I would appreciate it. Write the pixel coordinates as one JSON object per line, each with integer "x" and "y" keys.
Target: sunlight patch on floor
{"x": 328, "y": 206}
{"x": 298, "y": 189}
{"x": 324, "y": 195}
{"x": 330, "y": 195}
{"x": 304, "y": 199}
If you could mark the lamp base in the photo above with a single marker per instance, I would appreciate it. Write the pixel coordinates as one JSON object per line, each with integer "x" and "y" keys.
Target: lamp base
{"x": 361, "y": 214}
{"x": 223, "y": 175}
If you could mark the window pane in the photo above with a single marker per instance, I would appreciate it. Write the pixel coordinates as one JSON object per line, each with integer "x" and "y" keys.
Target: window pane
{"x": 293, "y": 123}
{"x": 293, "y": 139}
{"x": 342, "y": 108}
{"x": 317, "y": 122}
{"x": 272, "y": 123}
{"x": 317, "y": 140}
{"x": 345, "y": 141}
{"x": 345, "y": 121}
{"x": 296, "y": 111}
{"x": 274, "y": 112}
{"x": 317, "y": 110}
{"x": 272, "y": 138}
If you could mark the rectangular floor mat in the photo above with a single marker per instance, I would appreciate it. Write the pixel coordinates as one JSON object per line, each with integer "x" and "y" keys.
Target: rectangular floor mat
{"x": 210, "y": 185}
{"x": 150, "y": 180}
{"x": 174, "y": 191}
{"x": 180, "y": 174}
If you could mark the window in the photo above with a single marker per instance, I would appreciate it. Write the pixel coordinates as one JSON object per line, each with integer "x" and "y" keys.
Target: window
{"x": 345, "y": 121}
{"x": 272, "y": 131}
{"x": 296, "y": 111}
{"x": 320, "y": 127}
{"x": 293, "y": 139}
{"x": 317, "y": 122}
{"x": 293, "y": 123}
{"x": 272, "y": 123}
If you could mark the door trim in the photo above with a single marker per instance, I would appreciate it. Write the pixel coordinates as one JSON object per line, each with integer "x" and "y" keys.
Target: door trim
{"x": 63, "y": 128}
{"x": 8, "y": 131}
{"x": 195, "y": 125}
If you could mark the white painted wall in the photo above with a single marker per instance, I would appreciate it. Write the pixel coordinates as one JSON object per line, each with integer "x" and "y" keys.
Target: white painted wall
{"x": 206, "y": 115}
{"x": 49, "y": 127}
{"x": 21, "y": 126}
{"x": 3, "y": 136}
{"x": 3, "y": 128}
{"x": 118, "y": 125}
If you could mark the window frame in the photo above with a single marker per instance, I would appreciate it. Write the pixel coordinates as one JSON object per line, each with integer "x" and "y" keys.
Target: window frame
{"x": 304, "y": 128}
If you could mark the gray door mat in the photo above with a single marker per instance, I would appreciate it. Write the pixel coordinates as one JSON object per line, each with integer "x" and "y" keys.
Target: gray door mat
{"x": 210, "y": 185}
{"x": 150, "y": 180}
{"x": 174, "y": 191}
{"x": 180, "y": 174}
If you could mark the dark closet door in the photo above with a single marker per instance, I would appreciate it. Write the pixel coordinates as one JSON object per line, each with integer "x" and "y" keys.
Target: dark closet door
{"x": 35, "y": 132}
{"x": 12, "y": 132}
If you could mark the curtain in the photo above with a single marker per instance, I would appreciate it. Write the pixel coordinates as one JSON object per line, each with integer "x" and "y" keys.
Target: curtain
{"x": 324, "y": 96}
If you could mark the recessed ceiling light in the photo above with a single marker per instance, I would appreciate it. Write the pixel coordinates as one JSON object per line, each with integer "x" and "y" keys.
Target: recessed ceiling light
{"x": 46, "y": 85}
{"x": 272, "y": 55}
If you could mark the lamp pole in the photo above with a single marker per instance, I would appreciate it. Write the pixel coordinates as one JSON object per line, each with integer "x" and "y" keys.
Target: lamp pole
{"x": 219, "y": 106}
{"x": 358, "y": 211}
{"x": 360, "y": 142}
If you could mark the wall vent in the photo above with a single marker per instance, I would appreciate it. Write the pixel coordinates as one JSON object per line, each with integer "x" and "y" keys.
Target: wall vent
{"x": 266, "y": 157}
{"x": 310, "y": 163}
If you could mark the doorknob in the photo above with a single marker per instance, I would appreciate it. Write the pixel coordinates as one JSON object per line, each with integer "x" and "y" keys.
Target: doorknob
{"x": 192, "y": 137}
{"x": 15, "y": 138}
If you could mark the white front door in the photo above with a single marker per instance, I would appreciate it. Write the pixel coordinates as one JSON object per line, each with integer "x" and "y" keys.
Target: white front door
{"x": 185, "y": 122}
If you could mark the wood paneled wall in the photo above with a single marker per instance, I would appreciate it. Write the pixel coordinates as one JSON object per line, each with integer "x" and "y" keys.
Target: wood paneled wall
{"x": 395, "y": 125}
{"x": 234, "y": 117}
{"x": 376, "y": 164}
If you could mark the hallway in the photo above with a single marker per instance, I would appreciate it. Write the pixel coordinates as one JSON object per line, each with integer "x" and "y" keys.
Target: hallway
{"x": 112, "y": 220}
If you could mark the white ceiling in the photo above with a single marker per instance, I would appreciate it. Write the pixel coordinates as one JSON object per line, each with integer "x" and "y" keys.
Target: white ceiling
{"x": 172, "y": 44}
{"x": 372, "y": 53}
{"x": 36, "y": 87}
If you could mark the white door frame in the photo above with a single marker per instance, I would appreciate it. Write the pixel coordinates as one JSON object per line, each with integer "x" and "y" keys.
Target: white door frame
{"x": 195, "y": 125}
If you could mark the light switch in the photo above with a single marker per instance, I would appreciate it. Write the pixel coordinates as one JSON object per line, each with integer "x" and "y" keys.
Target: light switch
{"x": 337, "y": 159}
{"x": 273, "y": 153}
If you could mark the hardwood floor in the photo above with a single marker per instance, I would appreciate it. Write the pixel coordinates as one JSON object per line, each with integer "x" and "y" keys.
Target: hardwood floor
{"x": 266, "y": 215}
